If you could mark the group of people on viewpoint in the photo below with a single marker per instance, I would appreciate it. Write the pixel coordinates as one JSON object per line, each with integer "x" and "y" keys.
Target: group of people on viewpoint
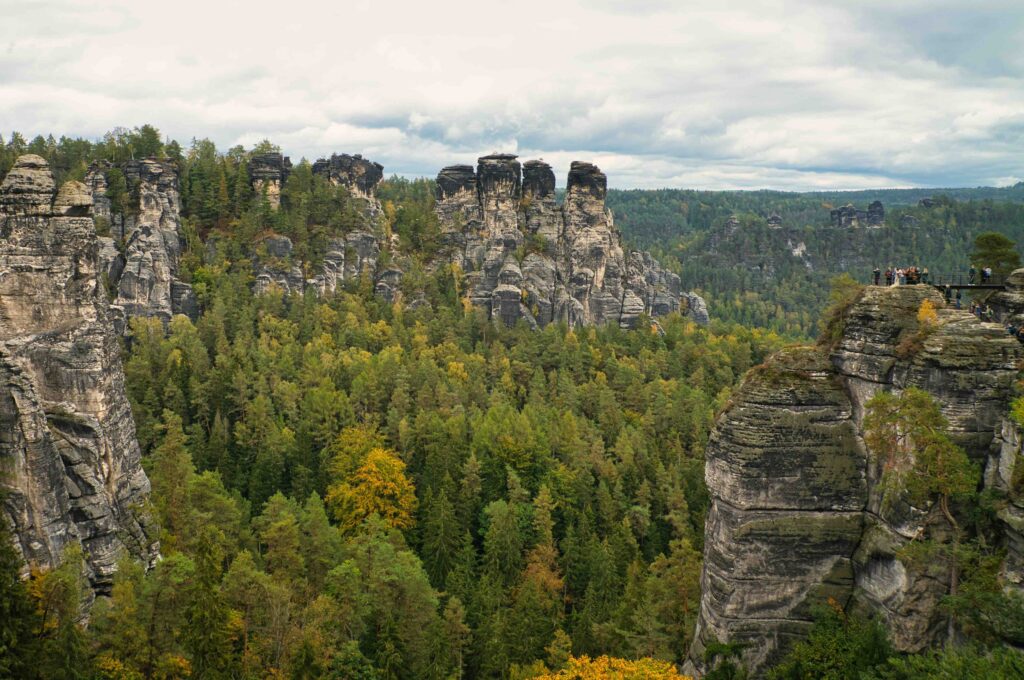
{"x": 900, "y": 276}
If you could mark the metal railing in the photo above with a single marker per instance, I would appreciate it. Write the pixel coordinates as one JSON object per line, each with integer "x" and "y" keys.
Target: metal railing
{"x": 952, "y": 279}
{"x": 966, "y": 279}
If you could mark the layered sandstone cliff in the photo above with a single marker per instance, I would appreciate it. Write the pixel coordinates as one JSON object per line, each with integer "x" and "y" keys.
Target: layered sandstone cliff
{"x": 796, "y": 514}
{"x": 71, "y": 462}
{"x": 268, "y": 173}
{"x": 525, "y": 257}
{"x": 140, "y": 257}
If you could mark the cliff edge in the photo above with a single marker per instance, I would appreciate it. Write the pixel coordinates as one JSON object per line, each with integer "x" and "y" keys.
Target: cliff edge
{"x": 71, "y": 462}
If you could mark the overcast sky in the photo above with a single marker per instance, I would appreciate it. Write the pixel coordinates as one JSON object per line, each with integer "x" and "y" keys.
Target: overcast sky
{"x": 659, "y": 93}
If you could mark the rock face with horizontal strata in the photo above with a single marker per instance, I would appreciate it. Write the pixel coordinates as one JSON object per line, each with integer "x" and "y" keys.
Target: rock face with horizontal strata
{"x": 524, "y": 257}
{"x": 148, "y": 238}
{"x": 67, "y": 438}
{"x": 796, "y": 514}
{"x": 268, "y": 173}
{"x": 527, "y": 258}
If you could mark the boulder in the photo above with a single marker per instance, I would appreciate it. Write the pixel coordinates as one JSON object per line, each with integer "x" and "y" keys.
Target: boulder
{"x": 28, "y": 187}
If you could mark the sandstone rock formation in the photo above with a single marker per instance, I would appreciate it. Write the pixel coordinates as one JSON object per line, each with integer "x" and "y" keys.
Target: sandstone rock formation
{"x": 1004, "y": 473}
{"x": 268, "y": 172}
{"x": 148, "y": 240}
{"x": 525, "y": 257}
{"x": 1008, "y": 303}
{"x": 359, "y": 175}
{"x": 71, "y": 462}
{"x": 796, "y": 514}
{"x": 848, "y": 216}
{"x": 347, "y": 257}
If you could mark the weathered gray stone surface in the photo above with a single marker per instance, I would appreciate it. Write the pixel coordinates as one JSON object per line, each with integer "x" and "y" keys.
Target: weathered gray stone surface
{"x": 267, "y": 173}
{"x": 1004, "y": 473}
{"x": 67, "y": 438}
{"x": 523, "y": 256}
{"x": 359, "y": 175}
{"x": 849, "y": 216}
{"x": 527, "y": 258}
{"x": 1008, "y": 304}
{"x": 796, "y": 514}
{"x": 146, "y": 279}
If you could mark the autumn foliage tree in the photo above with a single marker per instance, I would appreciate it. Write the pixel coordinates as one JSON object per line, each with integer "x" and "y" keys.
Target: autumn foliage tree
{"x": 379, "y": 486}
{"x": 611, "y": 668}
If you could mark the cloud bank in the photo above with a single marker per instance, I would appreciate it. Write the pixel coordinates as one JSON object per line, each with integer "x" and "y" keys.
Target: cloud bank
{"x": 781, "y": 94}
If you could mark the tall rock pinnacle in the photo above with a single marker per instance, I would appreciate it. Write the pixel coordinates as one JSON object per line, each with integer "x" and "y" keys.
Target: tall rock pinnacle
{"x": 71, "y": 462}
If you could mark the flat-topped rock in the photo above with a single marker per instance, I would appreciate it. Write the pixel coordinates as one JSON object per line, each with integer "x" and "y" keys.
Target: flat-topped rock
{"x": 454, "y": 179}
{"x": 538, "y": 180}
{"x": 587, "y": 177}
{"x": 355, "y": 172}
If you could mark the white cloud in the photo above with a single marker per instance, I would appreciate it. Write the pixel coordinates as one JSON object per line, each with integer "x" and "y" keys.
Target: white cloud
{"x": 757, "y": 93}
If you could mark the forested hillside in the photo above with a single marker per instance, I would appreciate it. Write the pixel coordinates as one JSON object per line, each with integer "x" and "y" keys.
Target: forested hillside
{"x": 353, "y": 487}
{"x": 765, "y": 258}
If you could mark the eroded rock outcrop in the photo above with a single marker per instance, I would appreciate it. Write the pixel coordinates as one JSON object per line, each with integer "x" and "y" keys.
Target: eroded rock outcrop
{"x": 359, "y": 175}
{"x": 527, "y": 258}
{"x": 849, "y": 216}
{"x": 268, "y": 173}
{"x": 1008, "y": 304}
{"x": 72, "y": 468}
{"x": 524, "y": 256}
{"x": 148, "y": 239}
{"x": 796, "y": 514}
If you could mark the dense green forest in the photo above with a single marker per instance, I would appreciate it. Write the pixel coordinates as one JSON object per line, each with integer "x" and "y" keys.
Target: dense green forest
{"x": 348, "y": 488}
{"x": 756, "y": 274}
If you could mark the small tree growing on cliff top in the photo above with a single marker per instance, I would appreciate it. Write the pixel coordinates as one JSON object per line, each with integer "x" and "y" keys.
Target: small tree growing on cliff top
{"x": 907, "y": 433}
{"x": 844, "y": 293}
{"x": 992, "y": 249}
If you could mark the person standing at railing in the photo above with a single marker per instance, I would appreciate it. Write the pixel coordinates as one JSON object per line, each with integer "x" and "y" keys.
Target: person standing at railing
{"x": 971, "y": 274}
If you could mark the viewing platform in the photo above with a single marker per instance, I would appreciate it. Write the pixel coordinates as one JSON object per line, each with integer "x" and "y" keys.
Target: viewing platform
{"x": 963, "y": 280}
